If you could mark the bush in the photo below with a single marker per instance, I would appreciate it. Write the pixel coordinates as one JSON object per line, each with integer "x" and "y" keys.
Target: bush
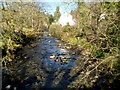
{"x": 55, "y": 30}
{"x": 11, "y": 41}
{"x": 67, "y": 28}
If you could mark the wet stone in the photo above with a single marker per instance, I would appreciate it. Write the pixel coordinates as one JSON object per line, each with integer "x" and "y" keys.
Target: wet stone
{"x": 48, "y": 58}
{"x": 57, "y": 52}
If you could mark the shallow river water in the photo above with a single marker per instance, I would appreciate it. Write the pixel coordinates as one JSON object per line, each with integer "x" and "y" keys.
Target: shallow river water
{"x": 46, "y": 64}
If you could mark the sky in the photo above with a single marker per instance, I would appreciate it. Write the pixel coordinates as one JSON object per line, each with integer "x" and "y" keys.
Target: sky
{"x": 49, "y": 6}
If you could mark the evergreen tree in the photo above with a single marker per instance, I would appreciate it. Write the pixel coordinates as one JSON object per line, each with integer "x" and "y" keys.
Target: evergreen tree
{"x": 57, "y": 14}
{"x": 51, "y": 19}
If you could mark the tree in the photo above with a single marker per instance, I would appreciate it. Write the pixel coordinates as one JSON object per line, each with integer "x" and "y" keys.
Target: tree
{"x": 20, "y": 21}
{"x": 57, "y": 14}
{"x": 51, "y": 19}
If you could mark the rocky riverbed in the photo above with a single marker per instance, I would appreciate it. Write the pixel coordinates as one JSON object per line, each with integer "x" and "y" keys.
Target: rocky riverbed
{"x": 45, "y": 64}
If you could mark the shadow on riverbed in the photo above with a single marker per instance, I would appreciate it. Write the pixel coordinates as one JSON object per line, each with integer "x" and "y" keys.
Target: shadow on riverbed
{"x": 47, "y": 64}
{"x": 63, "y": 81}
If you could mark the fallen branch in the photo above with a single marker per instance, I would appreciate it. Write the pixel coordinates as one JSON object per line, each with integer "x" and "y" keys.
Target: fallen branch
{"x": 105, "y": 60}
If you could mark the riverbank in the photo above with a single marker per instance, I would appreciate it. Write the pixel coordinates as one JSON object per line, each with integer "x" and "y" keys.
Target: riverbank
{"x": 107, "y": 60}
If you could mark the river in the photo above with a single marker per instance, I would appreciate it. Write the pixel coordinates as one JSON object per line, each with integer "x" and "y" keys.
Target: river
{"x": 46, "y": 63}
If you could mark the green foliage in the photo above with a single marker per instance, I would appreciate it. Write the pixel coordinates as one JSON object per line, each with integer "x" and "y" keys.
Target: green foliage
{"x": 72, "y": 40}
{"x": 55, "y": 30}
{"x": 57, "y": 14}
{"x": 51, "y": 19}
{"x": 11, "y": 41}
{"x": 19, "y": 22}
{"x": 99, "y": 54}
{"x": 67, "y": 28}
{"x": 87, "y": 45}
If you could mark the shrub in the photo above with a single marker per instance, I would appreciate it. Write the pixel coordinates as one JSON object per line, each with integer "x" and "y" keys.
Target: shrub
{"x": 67, "y": 28}
{"x": 55, "y": 30}
{"x": 11, "y": 41}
